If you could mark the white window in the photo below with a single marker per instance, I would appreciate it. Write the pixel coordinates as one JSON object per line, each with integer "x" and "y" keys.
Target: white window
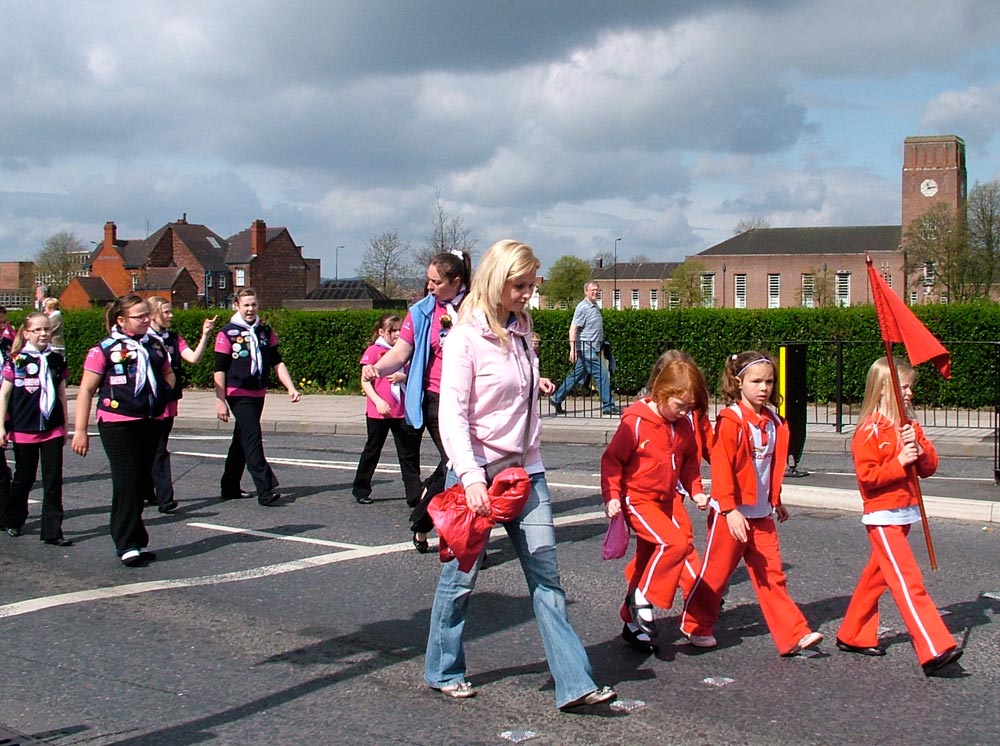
{"x": 739, "y": 291}
{"x": 673, "y": 300}
{"x": 241, "y": 278}
{"x": 135, "y": 281}
{"x": 774, "y": 291}
{"x": 549, "y": 304}
{"x": 842, "y": 290}
{"x": 635, "y": 297}
{"x": 913, "y": 298}
{"x": 618, "y": 299}
{"x": 222, "y": 282}
{"x": 654, "y": 299}
{"x": 808, "y": 291}
{"x": 928, "y": 277}
{"x": 600, "y": 298}
{"x": 708, "y": 290}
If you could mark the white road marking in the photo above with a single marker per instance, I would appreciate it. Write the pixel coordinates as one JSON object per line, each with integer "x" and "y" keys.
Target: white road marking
{"x": 272, "y": 535}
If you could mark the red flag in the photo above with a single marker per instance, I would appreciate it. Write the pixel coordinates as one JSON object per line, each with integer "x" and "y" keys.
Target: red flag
{"x": 899, "y": 324}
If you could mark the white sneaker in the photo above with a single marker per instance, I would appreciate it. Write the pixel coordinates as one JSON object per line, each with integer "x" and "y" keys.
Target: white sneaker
{"x": 703, "y": 641}
{"x": 808, "y": 640}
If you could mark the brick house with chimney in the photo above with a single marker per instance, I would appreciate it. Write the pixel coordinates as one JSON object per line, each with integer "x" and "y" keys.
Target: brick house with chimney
{"x": 268, "y": 260}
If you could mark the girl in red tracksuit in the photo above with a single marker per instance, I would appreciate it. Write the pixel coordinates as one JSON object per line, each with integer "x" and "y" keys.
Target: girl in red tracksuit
{"x": 654, "y": 448}
{"x": 883, "y": 454}
{"x": 748, "y": 457}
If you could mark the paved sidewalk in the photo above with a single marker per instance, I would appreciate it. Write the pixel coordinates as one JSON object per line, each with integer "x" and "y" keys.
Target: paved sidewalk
{"x": 345, "y": 415}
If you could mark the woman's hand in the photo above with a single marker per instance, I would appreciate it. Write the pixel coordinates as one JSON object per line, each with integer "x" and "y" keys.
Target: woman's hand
{"x": 477, "y": 498}
{"x": 368, "y": 373}
{"x": 546, "y": 386}
{"x": 612, "y": 507}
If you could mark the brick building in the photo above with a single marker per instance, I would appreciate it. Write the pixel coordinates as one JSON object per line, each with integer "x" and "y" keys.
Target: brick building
{"x": 632, "y": 284}
{"x": 268, "y": 260}
{"x": 782, "y": 267}
{"x": 17, "y": 284}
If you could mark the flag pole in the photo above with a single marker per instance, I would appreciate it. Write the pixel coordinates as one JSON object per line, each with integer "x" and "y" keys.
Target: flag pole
{"x": 911, "y": 469}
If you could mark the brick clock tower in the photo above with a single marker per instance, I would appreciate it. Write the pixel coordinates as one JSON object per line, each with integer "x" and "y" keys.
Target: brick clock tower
{"x": 933, "y": 172}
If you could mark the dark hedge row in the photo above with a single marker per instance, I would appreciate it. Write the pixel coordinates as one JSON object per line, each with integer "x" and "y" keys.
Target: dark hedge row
{"x": 322, "y": 349}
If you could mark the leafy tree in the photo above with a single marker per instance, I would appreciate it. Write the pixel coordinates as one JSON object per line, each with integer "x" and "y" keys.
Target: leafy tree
{"x": 938, "y": 239}
{"x": 749, "y": 224}
{"x": 384, "y": 263}
{"x": 822, "y": 294}
{"x": 685, "y": 284}
{"x": 448, "y": 233}
{"x": 983, "y": 210}
{"x": 59, "y": 261}
{"x": 565, "y": 280}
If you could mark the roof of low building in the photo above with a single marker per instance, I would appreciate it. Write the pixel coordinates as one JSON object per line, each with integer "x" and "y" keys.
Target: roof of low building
{"x": 635, "y": 271}
{"x": 854, "y": 239}
{"x": 96, "y": 289}
{"x": 353, "y": 289}
{"x": 163, "y": 278}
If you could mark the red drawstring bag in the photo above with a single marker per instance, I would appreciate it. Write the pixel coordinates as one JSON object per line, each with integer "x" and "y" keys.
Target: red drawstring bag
{"x": 461, "y": 533}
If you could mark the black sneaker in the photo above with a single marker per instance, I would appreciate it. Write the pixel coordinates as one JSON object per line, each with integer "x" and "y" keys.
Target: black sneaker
{"x": 168, "y": 507}
{"x": 556, "y": 405}
{"x": 240, "y": 495}
{"x": 269, "y": 498}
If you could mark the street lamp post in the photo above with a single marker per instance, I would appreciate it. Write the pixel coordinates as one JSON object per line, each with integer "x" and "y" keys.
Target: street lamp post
{"x": 614, "y": 296}
{"x": 336, "y": 263}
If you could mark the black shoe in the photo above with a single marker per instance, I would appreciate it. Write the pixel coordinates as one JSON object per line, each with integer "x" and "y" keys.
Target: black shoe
{"x": 168, "y": 507}
{"x": 131, "y": 558}
{"x": 60, "y": 542}
{"x": 935, "y": 664}
{"x": 240, "y": 495}
{"x": 631, "y": 636}
{"x": 365, "y": 499}
{"x": 614, "y": 410}
{"x": 147, "y": 556}
{"x": 421, "y": 545}
{"x": 13, "y": 532}
{"x": 557, "y": 405}
{"x": 269, "y": 498}
{"x": 633, "y": 608}
{"x": 874, "y": 650}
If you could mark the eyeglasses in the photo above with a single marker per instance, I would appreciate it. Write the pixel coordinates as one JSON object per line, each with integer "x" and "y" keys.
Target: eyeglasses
{"x": 140, "y": 316}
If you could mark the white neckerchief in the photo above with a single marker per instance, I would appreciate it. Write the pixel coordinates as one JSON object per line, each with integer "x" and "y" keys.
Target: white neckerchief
{"x": 397, "y": 389}
{"x": 144, "y": 368}
{"x": 256, "y": 364}
{"x": 48, "y": 388}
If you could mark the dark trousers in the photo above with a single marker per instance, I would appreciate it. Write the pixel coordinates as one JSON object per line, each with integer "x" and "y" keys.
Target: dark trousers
{"x": 407, "y": 442}
{"x": 5, "y": 505}
{"x": 130, "y": 447}
{"x": 163, "y": 480}
{"x": 246, "y": 450}
{"x": 26, "y": 458}
{"x": 420, "y": 521}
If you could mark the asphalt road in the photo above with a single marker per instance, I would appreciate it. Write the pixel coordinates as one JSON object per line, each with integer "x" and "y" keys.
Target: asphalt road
{"x": 306, "y": 623}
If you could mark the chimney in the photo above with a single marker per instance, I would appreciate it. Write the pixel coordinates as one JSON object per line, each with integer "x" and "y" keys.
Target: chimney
{"x": 258, "y": 237}
{"x": 110, "y": 234}
{"x": 184, "y": 219}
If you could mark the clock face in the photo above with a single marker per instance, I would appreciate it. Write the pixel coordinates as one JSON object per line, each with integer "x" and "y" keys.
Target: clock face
{"x": 928, "y": 187}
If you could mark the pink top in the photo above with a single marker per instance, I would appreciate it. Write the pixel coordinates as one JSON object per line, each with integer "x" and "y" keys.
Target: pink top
{"x": 171, "y": 410}
{"x": 433, "y": 379}
{"x": 485, "y": 399}
{"x": 224, "y": 345}
{"x": 96, "y": 363}
{"x": 28, "y": 438}
{"x": 383, "y": 388}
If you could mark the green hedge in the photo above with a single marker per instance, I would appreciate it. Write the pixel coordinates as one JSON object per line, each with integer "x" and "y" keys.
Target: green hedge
{"x": 322, "y": 348}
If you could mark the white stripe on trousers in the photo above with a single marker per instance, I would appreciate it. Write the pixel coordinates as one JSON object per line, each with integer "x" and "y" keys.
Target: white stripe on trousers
{"x": 906, "y": 592}
{"x": 704, "y": 563}
{"x": 651, "y": 567}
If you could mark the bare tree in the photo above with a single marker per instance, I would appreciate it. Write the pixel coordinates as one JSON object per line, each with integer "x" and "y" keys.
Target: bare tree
{"x": 984, "y": 227}
{"x": 749, "y": 224}
{"x": 604, "y": 258}
{"x": 448, "y": 234}
{"x": 384, "y": 264}
{"x": 61, "y": 258}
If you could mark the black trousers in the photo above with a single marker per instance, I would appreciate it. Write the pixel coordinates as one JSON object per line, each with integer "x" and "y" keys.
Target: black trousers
{"x": 420, "y": 520}
{"x": 246, "y": 450}
{"x": 5, "y": 493}
{"x": 130, "y": 447}
{"x": 26, "y": 458}
{"x": 407, "y": 442}
{"x": 163, "y": 480}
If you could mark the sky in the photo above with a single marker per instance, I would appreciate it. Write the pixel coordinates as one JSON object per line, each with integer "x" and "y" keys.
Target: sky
{"x": 563, "y": 124}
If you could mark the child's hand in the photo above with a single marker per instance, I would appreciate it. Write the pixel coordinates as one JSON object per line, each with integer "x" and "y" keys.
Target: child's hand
{"x": 701, "y": 500}
{"x": 908, "y": 455}
{"x": 397, "y": 377}
{"x": 381, "y": 406}
{"x": 612, "y": 508}
{"x": 907, "y": 434}
{"x": 738, "y": 526}
{"x": 781, "y": 513}
{"x": 3, "y": 437}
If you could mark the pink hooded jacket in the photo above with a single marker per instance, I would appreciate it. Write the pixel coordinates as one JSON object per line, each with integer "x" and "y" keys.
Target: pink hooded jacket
{"x": 485, "y": 398}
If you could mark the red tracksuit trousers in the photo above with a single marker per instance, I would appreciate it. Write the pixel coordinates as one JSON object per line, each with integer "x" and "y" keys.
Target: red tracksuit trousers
{"x": 762, "y": 555}
{"x": 665, "y": 557}
{"x": 892, "y": 565}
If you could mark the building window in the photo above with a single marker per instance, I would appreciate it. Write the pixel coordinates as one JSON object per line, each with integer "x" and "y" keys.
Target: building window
{"x": 843, "y": 289}
{"x": 708, "y": 290}
{"x": 654, "y": 299}
{"x": 635, "y": 297}
{"x": 618, "y": 299}
{"x": 774, "y": 291}
{"x": 222, "y": 281}
{"x": 673, "y": 300}
{"x": 135, "y": 281}
{"x": 739, "y": 291}
{"x": 809, "y": 291}
{"x": 241, "y": 278}
{"x": 913, "y": 298}
{"x": 549, "y": 304}
{"x": 600, "y": 298}
{"x": 928, "y": 277}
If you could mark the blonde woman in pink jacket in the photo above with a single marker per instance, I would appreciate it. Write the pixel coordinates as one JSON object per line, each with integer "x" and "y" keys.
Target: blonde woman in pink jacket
{"x": 489, "y": 395}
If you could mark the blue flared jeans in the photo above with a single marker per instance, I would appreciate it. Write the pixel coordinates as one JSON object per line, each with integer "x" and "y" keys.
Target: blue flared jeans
{"x": 534, "y": 539}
